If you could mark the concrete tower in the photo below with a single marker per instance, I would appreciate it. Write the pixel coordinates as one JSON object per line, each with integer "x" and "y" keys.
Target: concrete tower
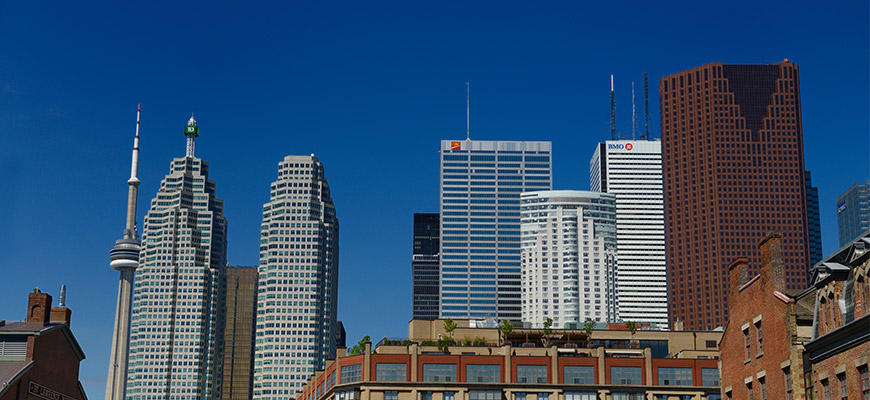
{"x": 125, "y": 258}
{"x": 298, "y": 286}
{"x": 176, "y": 327}
{"x": 568, "y": 257}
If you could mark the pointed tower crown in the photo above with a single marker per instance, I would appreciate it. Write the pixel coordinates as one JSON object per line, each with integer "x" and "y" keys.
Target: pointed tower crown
{"x": 191, "y": 130}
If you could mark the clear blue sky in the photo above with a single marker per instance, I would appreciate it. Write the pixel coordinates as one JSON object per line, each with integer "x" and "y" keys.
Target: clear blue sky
{"x": 370, "y": 89}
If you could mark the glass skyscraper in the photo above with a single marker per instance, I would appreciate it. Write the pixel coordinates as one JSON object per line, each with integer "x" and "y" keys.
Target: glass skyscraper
{"x": 814, "y": 223}
{"x": 481, "y": 182}
{"x": 853, "y": 212}
{"x": 176, "y": 330}
{"x": 425, "y": 266}
{"x": 240, "y": 305}
{"x": 298, "y": 284}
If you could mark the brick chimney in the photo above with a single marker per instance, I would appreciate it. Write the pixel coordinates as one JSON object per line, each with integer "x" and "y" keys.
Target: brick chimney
{"x": 771, "y": 260}
{"x": 738, "y": 272}
{"x": 38, "y": 307}
{"x": 61, "y": 314}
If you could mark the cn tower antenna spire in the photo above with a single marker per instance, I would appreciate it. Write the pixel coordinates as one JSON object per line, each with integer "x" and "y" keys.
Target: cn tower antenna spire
{"x": 467, "y": 111}
{"x": 125, "y": 259}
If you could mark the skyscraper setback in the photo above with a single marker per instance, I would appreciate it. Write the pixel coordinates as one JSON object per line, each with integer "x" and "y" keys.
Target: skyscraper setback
{"x": 481, "y": 182}
{"x": 298, "y": 280}
{"x": 425, "y": 266}
{"x": 732, "y": 148}
{"x": 176, "y": 331}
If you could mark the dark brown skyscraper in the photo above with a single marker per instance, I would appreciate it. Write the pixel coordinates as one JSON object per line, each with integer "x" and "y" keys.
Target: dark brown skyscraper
{"x": 732, "y": 149}
{"x": 241, "y": 314}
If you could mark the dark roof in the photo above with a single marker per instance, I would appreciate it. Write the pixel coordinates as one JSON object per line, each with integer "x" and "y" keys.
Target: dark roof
{"x": 19, "y": 328}
{"x": 11, "y": 371}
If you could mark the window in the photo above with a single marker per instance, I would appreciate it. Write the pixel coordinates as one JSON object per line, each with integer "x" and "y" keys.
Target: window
{"x": 714, "y": 397}
{"x": 484, "y": 394}
{"x": 448, "y": 395}
{"x": 351, "y": 373}
{"x": 786, "y": 372}
{"x": 391, "y": 395}
{"x": 531, "y": 374}
{"x": 521, "y": 396}
{"x": 439, "y": 372}
{"x": 826, "y": 390}
{"x": 749, "y": 394}
{"x": 760, "y": 343}
{"x": 482, "y": 373}
{"x": 675, "y": 376}
{"x": 425, "y": 395}
{"x": 865, "y": 382}
{"x": 841, "y": 380}
{"x": 711, "y": 344}
{"x": 389, "y": 372}
{"x": 625, "y": 376}
{"x": 746, "y": 337}
{"x": 709, "y": 377}
{"x": 579, "y": 374}
{"x": 581, "y": 396}
{"x": 543, "y": 396}
{"x": 346, "y": 395}
{"x": 763, "y": 383}
{"x": 627, "y": 396}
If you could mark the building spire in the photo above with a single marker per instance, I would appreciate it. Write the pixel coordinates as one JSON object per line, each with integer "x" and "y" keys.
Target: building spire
{"x": 612, "y": 111}
{"x": 467, "y": 111}
{"x": 192, "y": 132}
{"x": 125, "y": 259}
{"x": 133, "y": 182}
{"x": 633, "y": 115}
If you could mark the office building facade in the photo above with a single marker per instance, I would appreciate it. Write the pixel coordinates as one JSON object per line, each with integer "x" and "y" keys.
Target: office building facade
{"x": 526, "y": 365}
{"x": 632, "y": 171}
{"x": 732, "y": 152}
{"x": 298, "y": 280}
{"x": 176, "y": 332}
{"x": 425, "y": 266}
{"x": 853, "y": 212}
{"x": 568, "y": 257}
{"x": 240, "y": 310}
{"x": 814, "y": 222}
{"x": 481, "y": 182}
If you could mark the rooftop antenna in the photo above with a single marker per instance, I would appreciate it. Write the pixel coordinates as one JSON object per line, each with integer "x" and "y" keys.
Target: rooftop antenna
{"x": 612, "y": 112}
{"x": 62, "y": 302}
{"x": 191, "y": 131}
{"x": 645, "y": 107}
{"x": 467, "y": 111}
{"x": 633, "y": 115}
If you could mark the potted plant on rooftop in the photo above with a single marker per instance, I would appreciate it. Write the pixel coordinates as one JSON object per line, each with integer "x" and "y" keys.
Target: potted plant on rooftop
{"x": 588, "y": 327}
{"x": 632, "y": 327}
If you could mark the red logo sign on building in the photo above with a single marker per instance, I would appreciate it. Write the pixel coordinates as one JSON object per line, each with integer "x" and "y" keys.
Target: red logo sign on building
{"x": 455, "y": 145}
{"x": 628, "y": 146}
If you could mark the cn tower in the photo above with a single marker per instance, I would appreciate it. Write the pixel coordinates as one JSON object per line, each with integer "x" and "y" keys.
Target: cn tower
{"x": 125, "y": 258}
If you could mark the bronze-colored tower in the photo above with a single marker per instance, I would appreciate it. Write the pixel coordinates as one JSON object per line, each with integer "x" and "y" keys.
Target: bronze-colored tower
{"x": 732, "y": 149}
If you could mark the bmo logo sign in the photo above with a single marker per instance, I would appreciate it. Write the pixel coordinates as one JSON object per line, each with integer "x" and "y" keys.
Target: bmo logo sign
{"x": 627, "y": 146}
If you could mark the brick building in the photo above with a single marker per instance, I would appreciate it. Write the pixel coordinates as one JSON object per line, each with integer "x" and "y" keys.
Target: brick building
{"x": 809, "y": 344}
{"x": 840, "y": 348}
{"x": 526, "y": 364}
{"x": 39, "y": 357}
{"x": 762, "y": 346}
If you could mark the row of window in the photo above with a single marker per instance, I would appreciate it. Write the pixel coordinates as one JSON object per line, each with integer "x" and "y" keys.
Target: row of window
{"x": 576, "y": 374}
{"x": 497, "y": 395}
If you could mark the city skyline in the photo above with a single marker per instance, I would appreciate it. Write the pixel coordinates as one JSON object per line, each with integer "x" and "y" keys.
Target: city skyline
{"x": 370, "y": 90}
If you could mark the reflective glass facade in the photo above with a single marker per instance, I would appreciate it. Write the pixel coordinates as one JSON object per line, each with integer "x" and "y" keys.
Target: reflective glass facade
{"x": 481, "y": 182}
